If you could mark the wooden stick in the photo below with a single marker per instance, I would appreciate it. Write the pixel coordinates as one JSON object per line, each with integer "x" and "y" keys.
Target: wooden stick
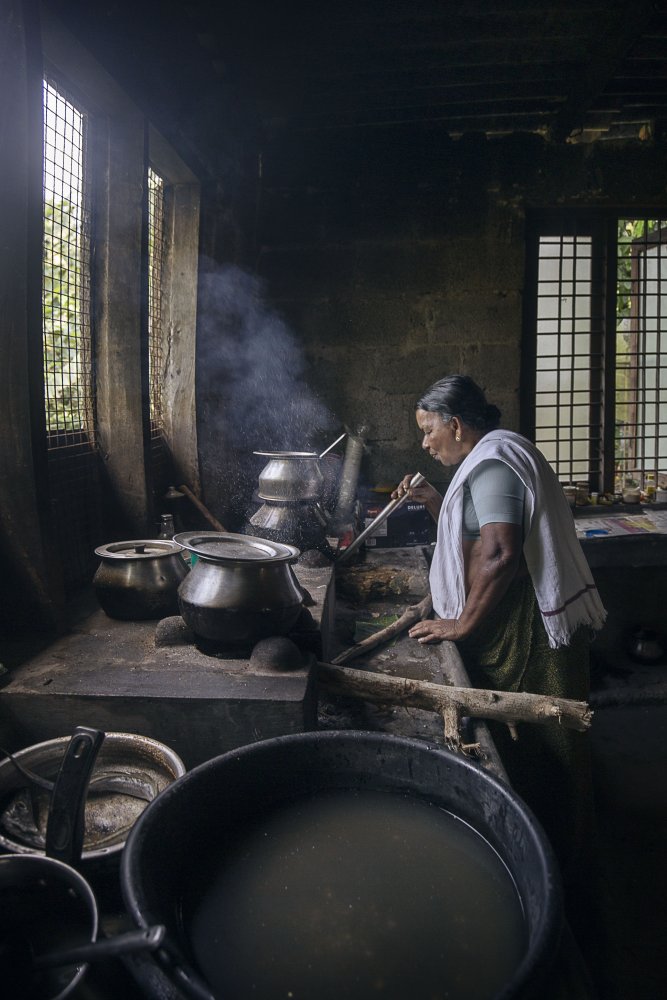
{"x": 451, "y": 719}
{"x": 453, "y": 702}
{"x": 201, "y": 508}
{"x": 412, "y": 614}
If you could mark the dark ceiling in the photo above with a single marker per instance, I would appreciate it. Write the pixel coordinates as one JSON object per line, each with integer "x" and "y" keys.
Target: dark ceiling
{"x": 564, "y": 69}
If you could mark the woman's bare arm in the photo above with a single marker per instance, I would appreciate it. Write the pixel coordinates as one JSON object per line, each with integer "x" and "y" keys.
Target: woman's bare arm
{"x": 494, "y": 564}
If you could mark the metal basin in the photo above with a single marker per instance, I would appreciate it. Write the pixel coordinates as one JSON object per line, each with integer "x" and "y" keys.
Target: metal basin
{"x": 130, "y": 771}
{"x": 215, "y": 812}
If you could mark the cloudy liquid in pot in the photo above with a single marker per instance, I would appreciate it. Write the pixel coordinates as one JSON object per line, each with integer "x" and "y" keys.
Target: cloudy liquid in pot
{"x": 357, "y": 895}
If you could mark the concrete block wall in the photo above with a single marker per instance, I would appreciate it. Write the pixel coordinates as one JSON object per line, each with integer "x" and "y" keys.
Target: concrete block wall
{"x": 397, "y": 258}
{"x": 405, "y": 262}
{"x": 394, "y": 270}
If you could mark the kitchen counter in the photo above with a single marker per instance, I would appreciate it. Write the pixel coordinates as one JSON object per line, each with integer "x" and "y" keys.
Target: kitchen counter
{"x": 634, "y": 547}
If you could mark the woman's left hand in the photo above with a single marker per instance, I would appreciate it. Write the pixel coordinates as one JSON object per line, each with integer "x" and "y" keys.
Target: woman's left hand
{"x": 435, "y": 630}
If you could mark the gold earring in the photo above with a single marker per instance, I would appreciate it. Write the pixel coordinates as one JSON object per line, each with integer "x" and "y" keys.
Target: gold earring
{"x": 457, "y": 436}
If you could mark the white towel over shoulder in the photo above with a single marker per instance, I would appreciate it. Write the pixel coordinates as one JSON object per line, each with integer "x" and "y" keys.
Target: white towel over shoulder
{"x": 566, "y": 594}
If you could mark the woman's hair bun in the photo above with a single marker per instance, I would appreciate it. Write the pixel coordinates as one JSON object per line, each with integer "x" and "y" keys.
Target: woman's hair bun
{"x": 459, "y": 396}
{"x": 492, "y": 414}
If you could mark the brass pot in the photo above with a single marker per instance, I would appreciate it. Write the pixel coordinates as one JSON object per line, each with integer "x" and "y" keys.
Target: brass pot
{"x": 138, "y": 580}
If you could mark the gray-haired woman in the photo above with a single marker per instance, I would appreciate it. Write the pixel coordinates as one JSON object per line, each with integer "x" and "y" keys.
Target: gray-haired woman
{"x": 511, "y": 586}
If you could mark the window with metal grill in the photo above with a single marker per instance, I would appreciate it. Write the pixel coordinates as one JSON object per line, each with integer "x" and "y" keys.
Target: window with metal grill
{"x": 67, "y": 339}
{"x": 596, "y": 347}
{"x": 66, "y": 274}
{"x": 641, "y": 351}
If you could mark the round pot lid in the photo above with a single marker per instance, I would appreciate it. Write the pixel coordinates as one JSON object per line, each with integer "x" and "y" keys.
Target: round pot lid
{"x": 287, "y": 454}
{"x": 140, "y": 548}
{"x": 229, "y": 547}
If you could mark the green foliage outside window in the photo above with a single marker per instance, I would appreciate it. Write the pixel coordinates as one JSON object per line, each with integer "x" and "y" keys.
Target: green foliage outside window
{"x": 64, "y": 363}
{"x": 629, "y": 232}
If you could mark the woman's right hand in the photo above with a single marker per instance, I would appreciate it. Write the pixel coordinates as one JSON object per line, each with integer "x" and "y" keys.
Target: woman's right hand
{"x": 424, "y": 493}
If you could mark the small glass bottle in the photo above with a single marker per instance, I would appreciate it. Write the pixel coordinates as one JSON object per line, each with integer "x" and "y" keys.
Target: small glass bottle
{"x": 167, "y": 529}
{"x": 570, "y": 491}
{"x": 649, "y": 487}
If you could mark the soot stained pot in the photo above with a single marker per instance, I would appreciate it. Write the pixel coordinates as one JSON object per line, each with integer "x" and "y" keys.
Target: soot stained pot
{"x": 139, "y": 580}
{"x": 130, "y": 770}
{"x": 213, "y": 813}
{"x": 43, "y": 904}
{"x": 48, "y": 930}
{"x": 241, "y": 587}
{"x": 290, "y": 476}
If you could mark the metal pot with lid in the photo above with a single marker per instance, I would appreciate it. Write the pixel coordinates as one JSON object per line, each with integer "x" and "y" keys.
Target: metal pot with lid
{"x": 139, "y": 579}
{"x": 290, "y": 476}
{"x": 240, "y": 589}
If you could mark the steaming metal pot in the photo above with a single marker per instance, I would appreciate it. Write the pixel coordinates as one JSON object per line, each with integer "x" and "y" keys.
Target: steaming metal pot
{"x": 241, "y": 587}
{"x": 290, "y": 476}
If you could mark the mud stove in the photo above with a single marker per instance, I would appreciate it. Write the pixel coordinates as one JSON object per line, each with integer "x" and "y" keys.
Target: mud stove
{"x": 152, "y": 678}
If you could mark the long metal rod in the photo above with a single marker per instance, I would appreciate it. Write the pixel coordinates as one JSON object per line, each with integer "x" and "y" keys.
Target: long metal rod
{"x": 380, "y": 519}
{"x": 200, "y": 507}
{"x": 333, "y": 445}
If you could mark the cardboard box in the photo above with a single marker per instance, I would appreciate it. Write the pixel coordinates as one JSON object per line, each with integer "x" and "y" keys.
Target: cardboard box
{"x": 411, "y": 524}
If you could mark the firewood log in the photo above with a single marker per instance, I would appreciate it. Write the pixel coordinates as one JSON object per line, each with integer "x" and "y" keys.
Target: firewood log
{"x": 452, "y": 703}
{"x": 412, "y": 614}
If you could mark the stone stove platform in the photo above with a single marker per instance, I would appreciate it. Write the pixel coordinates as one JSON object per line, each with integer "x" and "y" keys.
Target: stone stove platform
{"x": 114, "y": 676}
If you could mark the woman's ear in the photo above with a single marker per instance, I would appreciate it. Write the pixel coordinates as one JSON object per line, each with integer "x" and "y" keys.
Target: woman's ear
{"x": 455, "y": 425}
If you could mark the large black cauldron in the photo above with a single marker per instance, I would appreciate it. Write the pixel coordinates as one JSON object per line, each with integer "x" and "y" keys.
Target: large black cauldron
{"x": 203, "y": 816}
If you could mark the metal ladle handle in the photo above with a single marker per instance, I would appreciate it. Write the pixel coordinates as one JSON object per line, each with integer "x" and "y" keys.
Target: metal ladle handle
{"x": 65, "y": 824}
{"x": 332, "y": 445}
{"x": 122, "y": 944}
{"x": 380, "y": 519}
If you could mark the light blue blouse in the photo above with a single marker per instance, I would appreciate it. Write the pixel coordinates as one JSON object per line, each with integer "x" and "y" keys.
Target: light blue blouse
{"x": 493, "y": 492}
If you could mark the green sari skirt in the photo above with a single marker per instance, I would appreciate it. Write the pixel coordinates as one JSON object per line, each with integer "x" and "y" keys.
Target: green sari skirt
{"x": 548, "y": 765}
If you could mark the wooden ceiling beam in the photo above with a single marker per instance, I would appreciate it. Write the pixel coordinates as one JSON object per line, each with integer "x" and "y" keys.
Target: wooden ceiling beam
{"x": 616, "y": 37}
{"x": 456, "y": 98}
{"x": 482, "y": 121}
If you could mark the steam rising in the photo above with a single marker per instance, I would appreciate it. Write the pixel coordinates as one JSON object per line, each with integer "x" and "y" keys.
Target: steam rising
{"x": 256, "y": 364}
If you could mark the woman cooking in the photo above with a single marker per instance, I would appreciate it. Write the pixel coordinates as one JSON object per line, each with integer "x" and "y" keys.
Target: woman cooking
{"x": 512, "y": 588}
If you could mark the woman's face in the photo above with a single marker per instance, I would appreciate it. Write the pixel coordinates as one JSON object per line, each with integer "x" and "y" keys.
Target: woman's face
{"x": 439, "y": 437}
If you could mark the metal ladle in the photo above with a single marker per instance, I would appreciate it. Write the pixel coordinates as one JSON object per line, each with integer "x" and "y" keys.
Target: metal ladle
{"x": 380, "y": 519}
{"x": 27, "y": 972}
{"x": 122, "y": 944}
{"x": 65, "y": 826}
